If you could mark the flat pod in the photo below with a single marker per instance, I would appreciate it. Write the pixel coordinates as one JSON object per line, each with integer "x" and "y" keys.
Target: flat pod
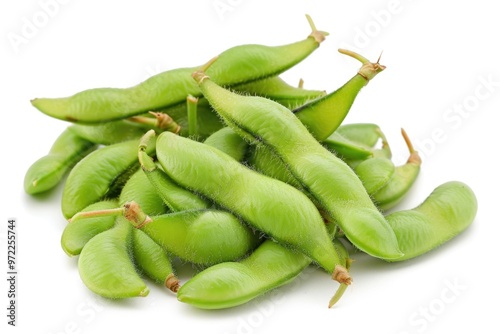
{"x": 106, "y": 267}
{"x": 76, "y": 234}
{"x": 445, "y": 213}
{"x": 100, "y": 175}
{"x": 48, "y": 171}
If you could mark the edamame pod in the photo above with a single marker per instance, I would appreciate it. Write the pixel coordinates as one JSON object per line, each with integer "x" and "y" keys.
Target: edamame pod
{"x": 375, "y": 173}
{"x": 231, "y": 284}
{"x": 324, "y": 115}
{"x": 100, "y": 175}
{"x": 208, "y": 122}
{"x": 276, "y": 89}
{"x": 153, "y": 261}
{"x": 76, "y": 235}
{"x": 106, "y": 267}
{"x": 109, "y": 133}
{"x": 175, "y": 197}
{"x": 404, "y": 177}
{"x": 269, "y": 205}
{"x": 333, "y": 183}
{"x": 46, "y": 173}
{"x": 228, "y": 142}
{"x": 203, "y": 237}
{"x": 237, "y": 65}
{"x": 139, "y": 189}
{"x": 445, "y": 213}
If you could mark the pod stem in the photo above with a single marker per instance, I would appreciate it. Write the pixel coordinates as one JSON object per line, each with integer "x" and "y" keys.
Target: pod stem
{"x": 146, "y": 162}
{"x": 161, "y": 122}
{"x": 97, "y": 213}
{"x": 199, "y": 75}
{"x": 338, "y": 294}
{"x": 368, "y": 70}
{"x": 319, "y": 36}
{"x": 172, "y": 283}
{"x": 192, "y": 112}
{"x": 341, "y": 275}
{"x": 414, "y": 157}
{"x": 134, "y": 214}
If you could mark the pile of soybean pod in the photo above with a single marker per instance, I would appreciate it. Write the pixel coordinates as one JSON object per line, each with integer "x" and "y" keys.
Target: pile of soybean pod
{"x": 229, "y": 168}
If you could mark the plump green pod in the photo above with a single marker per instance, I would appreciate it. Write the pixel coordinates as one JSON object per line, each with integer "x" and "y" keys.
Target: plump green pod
{"x": 203, "y": 237}
{"x": 266, "y": 162}
{"x": 237, "y": 65}
{"x": 385, "y": 183}
{"x": 106, "y": 267}
{"x": 324, "y": 115}
{"x": 99, "y": 175}
{"x": 109, "y": 133}
{"x": 333, "y": 183}
{"x": 228, "y": 142}
{"x": 153, "y": 261}
{"x": 48, "y": 171}
{"x": 208, "y": 122}
{"x": 76, "y": 234}
{"x": 269, "y": 205}
{"x": 139, "y": 189}
{"x": 276, "y": 89}
{"x": 175, "y": 197}
{"x": 231, "y": 284}
{"x": 375, "y": 173}
{"x": 394, "y": 191}
{"x": 448, "y": 211}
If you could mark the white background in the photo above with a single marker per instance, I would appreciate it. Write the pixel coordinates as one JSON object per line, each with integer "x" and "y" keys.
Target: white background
{"x": 438, "y": 56}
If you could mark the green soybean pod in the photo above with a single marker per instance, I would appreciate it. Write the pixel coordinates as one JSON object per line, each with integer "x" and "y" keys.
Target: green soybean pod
{"x": 445, "y": 213}
{"x": 230, "y": 284}
{"x": 276, "y": 89}
{"x": 106, "y": 267}
{"x": 375, "y": 173}
{"x": 153, "y": 261}
{"x": 175, "y": 197}
{"x": 109, "y": 133}
{"x": 76, "y": 235}
{"x": 139, "y": 189}
{"x": 228, "y": 142}
{"x": 237, "y": 65}
{"x": 333, "y": 183}
{"x": 99, "y": 175}
{"x": 367, "y": 134}
{"x": 347, "y": 149}
{"x": 403, "y": 179}
{"x": 48, "y": 171}
{"x": 324, "y": 115}
{"x": 203, "y": 237}
{"x": 269, "y": 205}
